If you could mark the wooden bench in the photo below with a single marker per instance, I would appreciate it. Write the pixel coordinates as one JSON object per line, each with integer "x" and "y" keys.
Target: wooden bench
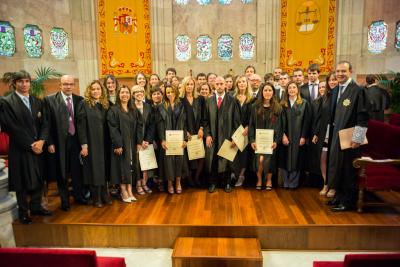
{"x": 202, "y": 251}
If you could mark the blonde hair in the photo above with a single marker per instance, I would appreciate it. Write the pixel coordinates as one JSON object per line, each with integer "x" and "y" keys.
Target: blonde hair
{"x": 285, "y": 101}
{"x": 103, "y": 98}
{"x": 137, "y": 88}
{"x": 248, "y": 94}
{"x": 185, "y": 82}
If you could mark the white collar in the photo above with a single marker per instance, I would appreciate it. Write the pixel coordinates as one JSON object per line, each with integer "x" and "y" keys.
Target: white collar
{"x": 20, "y": 95}
{"x": 310, "y": 83}
{"x": 65, "y": 96}
{"x": 222, "y": 96}
{"x": 346, "y": 83}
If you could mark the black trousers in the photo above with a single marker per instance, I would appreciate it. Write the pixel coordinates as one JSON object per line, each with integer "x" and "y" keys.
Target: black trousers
{"x": 72, "y": 167}
{"x": 218, "y": 178}
{"x": 24, "y": 205}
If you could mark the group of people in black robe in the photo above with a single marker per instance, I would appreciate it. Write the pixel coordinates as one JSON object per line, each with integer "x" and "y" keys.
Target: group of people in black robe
{"x": 93, "y": 141}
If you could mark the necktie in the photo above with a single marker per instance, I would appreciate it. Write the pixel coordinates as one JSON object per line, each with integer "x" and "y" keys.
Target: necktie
{"x": 219, "y": 101}
{"x": 254, "y": 94}
{"x": 341, "y": 87}
{"x": 71, "y": 126}
{"x": 25, "y": 99}
{"x": 313, "y": 93}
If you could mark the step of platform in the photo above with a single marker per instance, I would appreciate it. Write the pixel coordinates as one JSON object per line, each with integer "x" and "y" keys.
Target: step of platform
{"x": 203, "y": 251}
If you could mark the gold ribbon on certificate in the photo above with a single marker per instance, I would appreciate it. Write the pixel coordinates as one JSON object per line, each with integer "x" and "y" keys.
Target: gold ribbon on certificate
{"x": 195, "y": 148}
{"x": 226, "y": 151}
{"x": 264, "y": 141}
{"x": 174, "y": 139}
{"x": 147, "y": 158}
{"x": 240, "y": 140}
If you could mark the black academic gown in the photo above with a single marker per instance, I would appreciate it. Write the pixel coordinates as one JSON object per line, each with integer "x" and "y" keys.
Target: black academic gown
{"x": 59, "y": 123}
{"x": 350, "y": 113}
{"x": 242, "y": 158}
{"x": 92, "y": 126}
{"x": 378, "y": 101}
{"x": 172, "y": 119}
{"x": 148, "y": 130}
{"x": 296, "y": 122}
{"x": 263, "y": 120}
{"x": 220, "y": 125}
{"x": 126, "y": 132}
{"x": 24, "y": 127}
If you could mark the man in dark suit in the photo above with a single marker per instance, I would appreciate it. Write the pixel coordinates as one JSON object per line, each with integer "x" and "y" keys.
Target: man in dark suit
{"x": 222, "y": 120}
{"x": 309, "y": 91}
{"x": 281, "y": 87}
{"x": 349, "y": 109}
{"x": 23, "y": 118}
{"x": 298, "y": 77}
{"x": 63, "y": 140}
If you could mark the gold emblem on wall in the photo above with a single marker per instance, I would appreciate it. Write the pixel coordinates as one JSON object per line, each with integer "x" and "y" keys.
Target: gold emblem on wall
{"x": 308, "y": 17}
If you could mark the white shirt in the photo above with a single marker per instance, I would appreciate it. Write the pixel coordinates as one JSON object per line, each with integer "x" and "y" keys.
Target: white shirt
{"x": 292, "y": 101}
{"x": 23, "y": 99}
{"x": 222, "y": 96}
{"x": 311, "y": 88}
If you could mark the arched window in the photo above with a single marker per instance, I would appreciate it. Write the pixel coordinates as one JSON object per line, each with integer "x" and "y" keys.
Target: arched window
{"x": 246, "y": 46}
{"x": 377, "y": 37}
{"x": 203, "y": 2}
{"x": 59, "y": 43}
{"x": 225, "y": 2}
{"x": 225, "y": 47}
{"x": 181, "y": 2}
{"x": 33, "y": 41}
{"x": 7, "y": 39}
{"x": 397, "y": 37}
{"x": 204, "y": 46}
{"x": 183, "y": 48}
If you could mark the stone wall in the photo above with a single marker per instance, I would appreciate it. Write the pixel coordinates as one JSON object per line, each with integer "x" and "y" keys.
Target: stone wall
{"x": 78, "y": 18}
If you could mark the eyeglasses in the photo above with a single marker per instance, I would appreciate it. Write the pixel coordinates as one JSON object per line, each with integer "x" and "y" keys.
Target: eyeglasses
{"x": 68, "y": 84}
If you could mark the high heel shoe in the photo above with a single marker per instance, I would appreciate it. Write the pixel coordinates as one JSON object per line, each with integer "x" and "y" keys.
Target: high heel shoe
{"x": 324, "y": 191}
{"x": 132, "y": 199}
{"x": 331, "y": 193}
{"x": 139, "y": 190}
{"x": 179, "y": 189}
{"x": 126, "y": 200}
{"x": 147, "y": 189}
{"x": 170, "y": 188}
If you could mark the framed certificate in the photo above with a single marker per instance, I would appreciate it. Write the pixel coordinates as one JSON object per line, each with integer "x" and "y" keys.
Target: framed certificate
{"x": 195, "y": 148}
{"x": 174, "y": 139}
{"x": 264, "y": 141}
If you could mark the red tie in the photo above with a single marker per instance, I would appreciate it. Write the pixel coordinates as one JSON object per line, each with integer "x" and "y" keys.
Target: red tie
{"x": 219, "y": 101}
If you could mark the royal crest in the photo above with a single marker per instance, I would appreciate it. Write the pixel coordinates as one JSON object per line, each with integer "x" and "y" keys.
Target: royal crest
{"x": 125, "y": 21}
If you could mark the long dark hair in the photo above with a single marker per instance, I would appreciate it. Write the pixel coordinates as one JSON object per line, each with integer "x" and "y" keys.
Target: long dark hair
{"x": 131, "y": 106}
{"x": 328, "y": 88}
{"x": 112, "y": 77}
{"x": 273, "y": 103}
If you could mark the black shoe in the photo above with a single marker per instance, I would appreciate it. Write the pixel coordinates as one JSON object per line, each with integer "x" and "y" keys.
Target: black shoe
{"x": 333, "y": 202}
{"x": 24, "y": 219}
{"x": 211, "y": 188}
{"x": 106, "y": 199}
{"x": 228, "y": 188}
{"x": 340, "y": 207}
{"x": 41, "y": 212}
{"x": 81, "y": 201}
{"x": 65, "y": 206}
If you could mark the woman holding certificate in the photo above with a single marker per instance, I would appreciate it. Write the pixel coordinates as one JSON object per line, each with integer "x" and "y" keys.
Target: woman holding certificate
{"x": 92, "y": 137}
{"x": 265, "y": 118}
{"x": 297, "y": 114}
{"x": 145, "y": 110}
{"x": 125, "y": 125}
{"x": 194, "y": 106}
{"x": 244, "y": 99}
{"x": 171, "y": 128}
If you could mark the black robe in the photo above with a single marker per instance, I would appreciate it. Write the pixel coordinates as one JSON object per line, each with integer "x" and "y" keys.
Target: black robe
{"x": 243, "y": 157}
{"x": 220, "y": 125}
{"x": 346, "y": 114}
{"x": 92, "y": 126}
{"x": 126, "y": 131}
{"x": 24, "y": 127}
{"x": 264, "y": 121}
{"x": 147, "y": 130}
{"x": 296, "y": 123}
{"x": 172, "y": 119}
{"x": 378, "y": 101}
{"x": 59, "y": 123}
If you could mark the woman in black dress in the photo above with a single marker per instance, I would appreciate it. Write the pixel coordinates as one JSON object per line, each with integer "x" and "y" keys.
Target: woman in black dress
{"x": 297, "y": 115}
{"x": 92, "y": 136}
{"x": 125, "y": 124}
{"x": 172, "y": 116}
{"x": 112, "y": 86}
{"x": 266, "y": 113}
{"x": 194, "y": 107}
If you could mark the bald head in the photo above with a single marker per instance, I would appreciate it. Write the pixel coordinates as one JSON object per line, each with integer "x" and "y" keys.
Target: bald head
{"x": 67, "y": 84}
{"x": 255, "y": 82}
{"x": 220, "y": 85}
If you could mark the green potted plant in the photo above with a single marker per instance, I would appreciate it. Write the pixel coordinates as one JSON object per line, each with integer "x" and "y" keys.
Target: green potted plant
{"x": 393, "y": 87}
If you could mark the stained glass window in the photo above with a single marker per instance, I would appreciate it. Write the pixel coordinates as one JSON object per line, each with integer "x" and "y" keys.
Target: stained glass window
{"x": 203, "y": 2}
{"x": 59, "y": 43}
{"x": 181, "y": 2}
{"x": 33, "y": 41}
{"x": 7, "y": 39}
{"x": 225, "y": 2}
{"x": 377, "y": 37}
{"x": 204, "y": 46}
{"x": 397, "y": 37}
{"x": 247, "y": 1}
{"x": 183, "y": 48}
{"x": 224, "y": 47}
{"x": 246, "y": 46}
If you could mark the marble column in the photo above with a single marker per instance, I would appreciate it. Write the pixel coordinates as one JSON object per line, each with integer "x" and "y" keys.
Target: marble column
{"x": 8, "y": 209}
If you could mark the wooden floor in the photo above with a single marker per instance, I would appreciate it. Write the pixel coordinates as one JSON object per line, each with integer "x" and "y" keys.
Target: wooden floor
{"x": 281, "y": 219}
